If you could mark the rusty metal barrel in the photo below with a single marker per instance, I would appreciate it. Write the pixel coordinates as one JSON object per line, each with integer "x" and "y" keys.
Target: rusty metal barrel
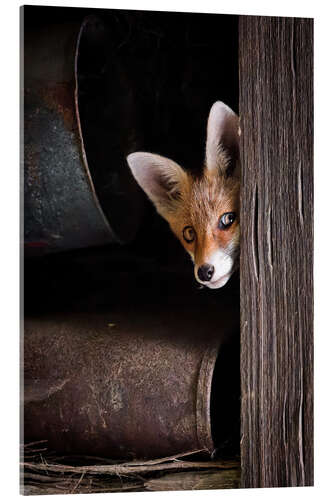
{"x": 122, "y": 385}
{"x": 78, "y": 191}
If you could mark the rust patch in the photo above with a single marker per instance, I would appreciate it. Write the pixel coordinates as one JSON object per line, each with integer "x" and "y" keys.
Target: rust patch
{"x": 36, "y": 244}
{"x": 59, "y": 97}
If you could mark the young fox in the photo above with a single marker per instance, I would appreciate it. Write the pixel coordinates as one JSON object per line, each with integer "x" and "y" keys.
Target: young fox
{"x": 203, "y": 212}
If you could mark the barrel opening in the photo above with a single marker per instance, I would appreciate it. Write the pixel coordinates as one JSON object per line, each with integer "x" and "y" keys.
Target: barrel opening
{"x": 105, "y": 108}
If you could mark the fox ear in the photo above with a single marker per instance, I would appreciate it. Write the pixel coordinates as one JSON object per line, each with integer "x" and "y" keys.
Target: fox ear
{"x": 161, "y": 179}
{"x": 222, "y": 146}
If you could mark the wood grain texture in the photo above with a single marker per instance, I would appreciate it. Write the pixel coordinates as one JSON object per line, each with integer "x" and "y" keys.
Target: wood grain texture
{"x": 276, "y": 114}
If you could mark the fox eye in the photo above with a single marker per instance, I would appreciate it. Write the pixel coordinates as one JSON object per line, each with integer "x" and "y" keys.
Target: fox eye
{"x": 226, "y": 220}
{"x": 189, "y": 234}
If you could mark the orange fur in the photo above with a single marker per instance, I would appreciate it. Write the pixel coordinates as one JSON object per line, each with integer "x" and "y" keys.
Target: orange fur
{"x": 202, "y": 202}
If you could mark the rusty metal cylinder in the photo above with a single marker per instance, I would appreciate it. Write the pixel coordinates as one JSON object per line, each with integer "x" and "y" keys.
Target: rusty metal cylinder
{"x": 78, "y": 191}
{"x": 121, "y": 386}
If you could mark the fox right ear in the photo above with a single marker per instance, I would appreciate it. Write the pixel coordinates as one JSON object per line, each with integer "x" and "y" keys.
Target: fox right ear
{"x": 160, "y": 178}
{"x": 222, "y": 137}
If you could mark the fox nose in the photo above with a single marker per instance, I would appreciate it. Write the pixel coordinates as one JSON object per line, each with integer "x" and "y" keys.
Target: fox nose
{"x": 205, "y": 272}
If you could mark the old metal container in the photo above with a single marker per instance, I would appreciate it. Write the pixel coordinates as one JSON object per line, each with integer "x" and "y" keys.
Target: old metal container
{"x": 73, "y": 197}
{"x": 124, "y": 385}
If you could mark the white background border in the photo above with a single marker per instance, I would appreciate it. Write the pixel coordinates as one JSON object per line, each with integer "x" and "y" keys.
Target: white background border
{"x": 9, "y": 272}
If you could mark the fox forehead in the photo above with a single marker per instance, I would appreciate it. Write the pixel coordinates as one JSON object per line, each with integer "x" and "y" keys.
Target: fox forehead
{"x": 204, "y": 199}
{"x": 211, "y": 196}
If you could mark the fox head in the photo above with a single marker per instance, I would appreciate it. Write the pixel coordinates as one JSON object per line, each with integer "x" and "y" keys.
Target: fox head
{"x": 202, "y": 211}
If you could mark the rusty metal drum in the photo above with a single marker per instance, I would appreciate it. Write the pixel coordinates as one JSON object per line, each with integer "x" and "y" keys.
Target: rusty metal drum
{"x": 122, "y": 385}
{"x": 77, "y": 192}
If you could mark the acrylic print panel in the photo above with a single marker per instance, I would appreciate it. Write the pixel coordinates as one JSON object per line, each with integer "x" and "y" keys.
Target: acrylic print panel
{"x": 126, "y": 351}
{"x": 136, "y": 378}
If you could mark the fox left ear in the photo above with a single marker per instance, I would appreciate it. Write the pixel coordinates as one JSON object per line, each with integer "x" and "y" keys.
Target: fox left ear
{"x": 162, "y": 179}
{"x": 222, "y": 145}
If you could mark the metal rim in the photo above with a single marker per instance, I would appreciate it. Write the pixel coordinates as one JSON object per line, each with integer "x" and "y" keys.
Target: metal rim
{"x": 204, "y": 391}
{"x": 83, "y": 151}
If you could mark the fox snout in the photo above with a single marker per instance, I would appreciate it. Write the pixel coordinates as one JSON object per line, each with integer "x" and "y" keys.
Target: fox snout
{"x": 217, "y": 268}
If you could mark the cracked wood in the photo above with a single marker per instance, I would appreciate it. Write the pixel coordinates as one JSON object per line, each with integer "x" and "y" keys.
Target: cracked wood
{"x": 276, "y": 101}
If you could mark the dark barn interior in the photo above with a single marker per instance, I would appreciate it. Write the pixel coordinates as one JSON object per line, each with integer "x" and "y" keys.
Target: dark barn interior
{"x": 145, "y": 81}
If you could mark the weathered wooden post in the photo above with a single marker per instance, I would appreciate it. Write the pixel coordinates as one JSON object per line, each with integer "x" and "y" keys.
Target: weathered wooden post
{"x": 276, "y": 111}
